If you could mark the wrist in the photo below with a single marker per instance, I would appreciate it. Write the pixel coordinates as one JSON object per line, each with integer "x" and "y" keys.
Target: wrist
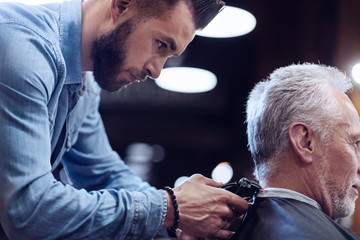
{"x": 169, "y": 219}
{"x": 172, "y": 208}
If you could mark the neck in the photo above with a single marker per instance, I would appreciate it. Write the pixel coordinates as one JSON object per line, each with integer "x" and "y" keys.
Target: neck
{"x": 289, "y": 174}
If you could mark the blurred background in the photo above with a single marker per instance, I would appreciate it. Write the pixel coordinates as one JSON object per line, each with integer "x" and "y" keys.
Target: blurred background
{"x": 164, "y": 135}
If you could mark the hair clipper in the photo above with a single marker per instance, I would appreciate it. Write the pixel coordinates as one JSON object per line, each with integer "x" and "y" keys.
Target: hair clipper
{"x": 245, "y": 188}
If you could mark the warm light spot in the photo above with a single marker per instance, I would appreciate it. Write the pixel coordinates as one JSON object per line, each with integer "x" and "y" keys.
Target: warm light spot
{"x": 356, "y": 72}
{"x": 223, "y": 172}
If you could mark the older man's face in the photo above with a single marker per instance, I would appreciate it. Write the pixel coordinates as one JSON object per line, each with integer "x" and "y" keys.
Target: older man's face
{"x": 340, "y": 168}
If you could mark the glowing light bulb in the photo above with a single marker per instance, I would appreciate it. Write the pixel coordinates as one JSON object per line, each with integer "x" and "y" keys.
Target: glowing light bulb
{"x": 223, "y": 172}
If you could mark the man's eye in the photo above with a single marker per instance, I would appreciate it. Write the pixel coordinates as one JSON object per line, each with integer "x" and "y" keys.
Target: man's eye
{"x": 357, "y": 143}
{"x": 161, "y": 45}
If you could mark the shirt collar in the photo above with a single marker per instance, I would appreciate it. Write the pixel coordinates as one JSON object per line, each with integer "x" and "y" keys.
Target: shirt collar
{"x": 70, "y": 40}
{"x": 286, "y": 193}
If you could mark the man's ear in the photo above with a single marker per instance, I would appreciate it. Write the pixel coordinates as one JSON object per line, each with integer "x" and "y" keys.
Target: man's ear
{"x": 301, "y": 139}
{"x": 119, "y": 7}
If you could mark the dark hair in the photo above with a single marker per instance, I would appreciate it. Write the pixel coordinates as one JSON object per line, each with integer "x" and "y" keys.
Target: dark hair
{"x": 203, "y": 10}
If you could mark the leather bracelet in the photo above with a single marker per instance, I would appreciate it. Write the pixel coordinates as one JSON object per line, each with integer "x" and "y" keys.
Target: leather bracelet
{"x": 172, "y": 230}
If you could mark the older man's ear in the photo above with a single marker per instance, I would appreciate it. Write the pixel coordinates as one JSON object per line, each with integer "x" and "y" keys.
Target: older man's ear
{"x": 302, "y": 140}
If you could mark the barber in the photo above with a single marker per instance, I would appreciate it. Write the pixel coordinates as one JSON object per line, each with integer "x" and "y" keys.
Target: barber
{"x": 53, "y": 59}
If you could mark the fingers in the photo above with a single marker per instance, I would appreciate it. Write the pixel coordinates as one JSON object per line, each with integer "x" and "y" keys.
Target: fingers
{"x": 238, "y": 205}
{"x": 229, "y": 205}
{"x": 224, "y": 234}
{"x": 205, "y": 180}
{"x": 221, "y": 234}
{"x": 207, "y": 210}
{"x": 183, "y": 236}
{"x": 226, "y": 224}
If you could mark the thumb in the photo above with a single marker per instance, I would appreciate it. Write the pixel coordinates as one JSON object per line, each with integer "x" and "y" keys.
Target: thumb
{"x": 204, "y": 180}
{"x": 212, "y": 183}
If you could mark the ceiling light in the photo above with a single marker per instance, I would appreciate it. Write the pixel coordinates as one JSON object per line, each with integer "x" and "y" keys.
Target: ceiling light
{"x": 230, "y": 22}
{"x": 186, "y": 80}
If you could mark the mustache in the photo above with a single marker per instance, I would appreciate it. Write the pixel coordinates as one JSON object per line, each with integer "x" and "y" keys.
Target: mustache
{"x": 140, "y": 75}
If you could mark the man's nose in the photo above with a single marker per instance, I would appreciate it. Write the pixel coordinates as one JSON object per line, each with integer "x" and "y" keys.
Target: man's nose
{"x": 154, "y": 66}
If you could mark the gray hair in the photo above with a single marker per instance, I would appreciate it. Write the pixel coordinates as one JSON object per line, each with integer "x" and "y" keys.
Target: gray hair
{"x": 296, "y": 93}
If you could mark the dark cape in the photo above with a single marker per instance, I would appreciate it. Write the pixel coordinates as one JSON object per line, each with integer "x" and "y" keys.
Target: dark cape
{"x": 276, "y": 218}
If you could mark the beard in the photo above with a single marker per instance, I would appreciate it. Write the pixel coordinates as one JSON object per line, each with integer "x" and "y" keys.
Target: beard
{"x": 108, "y": 54}
{"x": 342, "y": 203}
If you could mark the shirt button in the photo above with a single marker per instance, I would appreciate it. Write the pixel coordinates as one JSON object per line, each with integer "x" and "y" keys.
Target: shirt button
{"x": 68, "y": 142}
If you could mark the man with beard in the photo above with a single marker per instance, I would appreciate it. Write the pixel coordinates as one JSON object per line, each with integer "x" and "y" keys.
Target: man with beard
{"x": 304, "y": 136}
{"x": 49, "y": 114}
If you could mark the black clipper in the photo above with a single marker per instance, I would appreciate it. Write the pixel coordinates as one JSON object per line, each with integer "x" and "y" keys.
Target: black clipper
{"x": 245, "y": 188}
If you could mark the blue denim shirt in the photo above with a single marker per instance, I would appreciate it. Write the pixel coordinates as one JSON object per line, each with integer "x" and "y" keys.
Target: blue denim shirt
{"x": 49, "y": 110}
